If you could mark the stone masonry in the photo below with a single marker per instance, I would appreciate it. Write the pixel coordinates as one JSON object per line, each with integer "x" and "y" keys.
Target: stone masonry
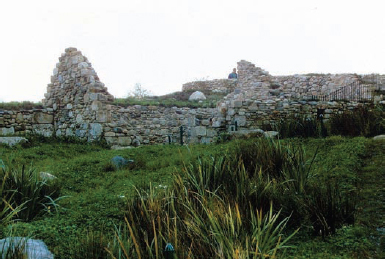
{"x": 78, "y": 104}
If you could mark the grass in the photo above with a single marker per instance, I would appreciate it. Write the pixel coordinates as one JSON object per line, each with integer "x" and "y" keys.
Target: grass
{"x": 363, "y": 121}
{"x": 17, "y": 106}
{"x": 30, "y": 191}
{"x": 203, "y": 202}
{"x": 177, "y": 99}
{"x": 367, "y": 121}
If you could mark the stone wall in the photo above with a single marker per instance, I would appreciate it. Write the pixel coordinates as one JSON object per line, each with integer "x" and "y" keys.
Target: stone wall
{"x": 77, "y": 97}
{"x": 259, "y": 83}
{"x": 255, "y": 114}
{"x": 39, "y": 121}
{"x": 216, "y": 85}
{"x": 78, "y": 104}
{"x": 136, "y": 125}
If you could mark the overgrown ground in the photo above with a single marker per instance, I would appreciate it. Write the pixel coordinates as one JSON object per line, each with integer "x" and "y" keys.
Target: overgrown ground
{"x": 96, "y": 196}
{"x": 178, "y": 99}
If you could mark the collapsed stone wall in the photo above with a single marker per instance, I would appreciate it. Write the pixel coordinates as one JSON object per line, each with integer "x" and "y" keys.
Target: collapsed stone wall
{"x": 216, "y": 85}
{"x": 306, "y": 86}
{"x": 258, "y": 83}
{"x": 75, "y": 82}
{"x": 255, "y": 114}
{"x": 78, "y": 104}
{"x": 77, "y": 97}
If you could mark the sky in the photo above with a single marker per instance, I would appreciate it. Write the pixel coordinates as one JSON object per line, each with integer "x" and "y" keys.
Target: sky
{"x": 164, "y": 44}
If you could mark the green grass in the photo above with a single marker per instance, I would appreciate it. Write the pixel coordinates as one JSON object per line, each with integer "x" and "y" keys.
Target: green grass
{"x": 16, "y": 106}
{"x": 98, "y": 197}
{"x": 177, "y": 99}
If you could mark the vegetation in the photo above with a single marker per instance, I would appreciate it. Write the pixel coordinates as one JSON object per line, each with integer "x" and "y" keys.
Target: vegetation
{"x": 364, "y": 121}
{"x": 294, "y": 198}
{"x": 16, "y": 106}
{"x": 312, "y": 194}
{"x": 177, "y": 99}
{"x": 367, "y": 121}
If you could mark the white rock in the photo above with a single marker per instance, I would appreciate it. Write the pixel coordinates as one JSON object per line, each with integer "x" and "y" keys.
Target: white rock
{"x": 8, "y": 131}
{"x": 379, "y": 137}
{"x": 11, "y": 141}
{"x": 47, "y": 176}
{"x": 83, "y": 65}
{"x": 197, "y": 95}
{"x": 34, "y": 249}
{"x": 271, "y": 134}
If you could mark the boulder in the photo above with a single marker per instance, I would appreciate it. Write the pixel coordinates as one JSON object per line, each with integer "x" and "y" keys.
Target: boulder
{"x": 33, "y": 249}
{"x": 11, "y": 141}
{"x": 7, "y": 131}
{"x": 47, "y": 176}
{"x": 117, "y": 147}
{"x": 119, "y": 162}
{"x": 96, "y": 130}
{"x": 271, "y": 134}
{"x": 196, "y": 96}
{"x": 42, "y": 118}
{"x": 379, "y": 137}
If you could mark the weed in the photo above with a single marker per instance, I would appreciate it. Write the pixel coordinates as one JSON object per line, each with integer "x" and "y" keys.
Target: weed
{"x": 362, "y": 121}
{"x": 91, "y": 245}
{"x": 24, "y": 187}
{"x": 300, "y": 126}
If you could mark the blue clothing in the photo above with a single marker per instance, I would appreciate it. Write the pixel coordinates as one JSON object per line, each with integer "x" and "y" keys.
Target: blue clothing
{"x": 233, "y": 75}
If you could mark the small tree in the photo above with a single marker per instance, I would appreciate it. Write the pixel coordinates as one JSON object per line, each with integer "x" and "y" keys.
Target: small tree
{"x": 139, "y": 92}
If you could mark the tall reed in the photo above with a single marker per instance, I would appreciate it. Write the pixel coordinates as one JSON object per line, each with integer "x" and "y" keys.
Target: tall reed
{"x": 211, "y": 211}
{"x": 24, "y": 188}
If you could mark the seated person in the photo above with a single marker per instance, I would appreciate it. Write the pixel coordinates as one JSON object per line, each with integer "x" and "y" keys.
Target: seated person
{"x": 234, "y": 74}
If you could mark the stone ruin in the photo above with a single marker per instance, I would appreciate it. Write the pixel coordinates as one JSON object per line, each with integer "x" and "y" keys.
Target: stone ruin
{"x": 75, "y": 82}
{"x": 78, "y": 104}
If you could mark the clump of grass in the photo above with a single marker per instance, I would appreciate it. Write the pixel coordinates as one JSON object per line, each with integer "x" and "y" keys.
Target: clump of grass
{"x": 282, "y": 173}
{"x": 92, "y": 245}
{"x": 200, "y": 215}
{"x": 8, "y": 209}
{"x": 300, "y": 126}
{"x": 269, "y": 155}
{"x": 365, "y": 121}
{"x": 328, "y": 207}
{"x": 24, "y": 188}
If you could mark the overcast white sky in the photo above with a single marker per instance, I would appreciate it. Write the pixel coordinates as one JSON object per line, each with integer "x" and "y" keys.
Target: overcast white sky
{"x": 162, "y": 44}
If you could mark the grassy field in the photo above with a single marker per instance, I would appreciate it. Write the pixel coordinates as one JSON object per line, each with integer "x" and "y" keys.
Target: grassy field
{"x": 209, "y": 201}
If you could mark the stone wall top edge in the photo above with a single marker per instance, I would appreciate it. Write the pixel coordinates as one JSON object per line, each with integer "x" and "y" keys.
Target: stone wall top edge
{"x": 46, "y": 110}
{"x": 156, "y": 108}
{"x": 211, "y": 80}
